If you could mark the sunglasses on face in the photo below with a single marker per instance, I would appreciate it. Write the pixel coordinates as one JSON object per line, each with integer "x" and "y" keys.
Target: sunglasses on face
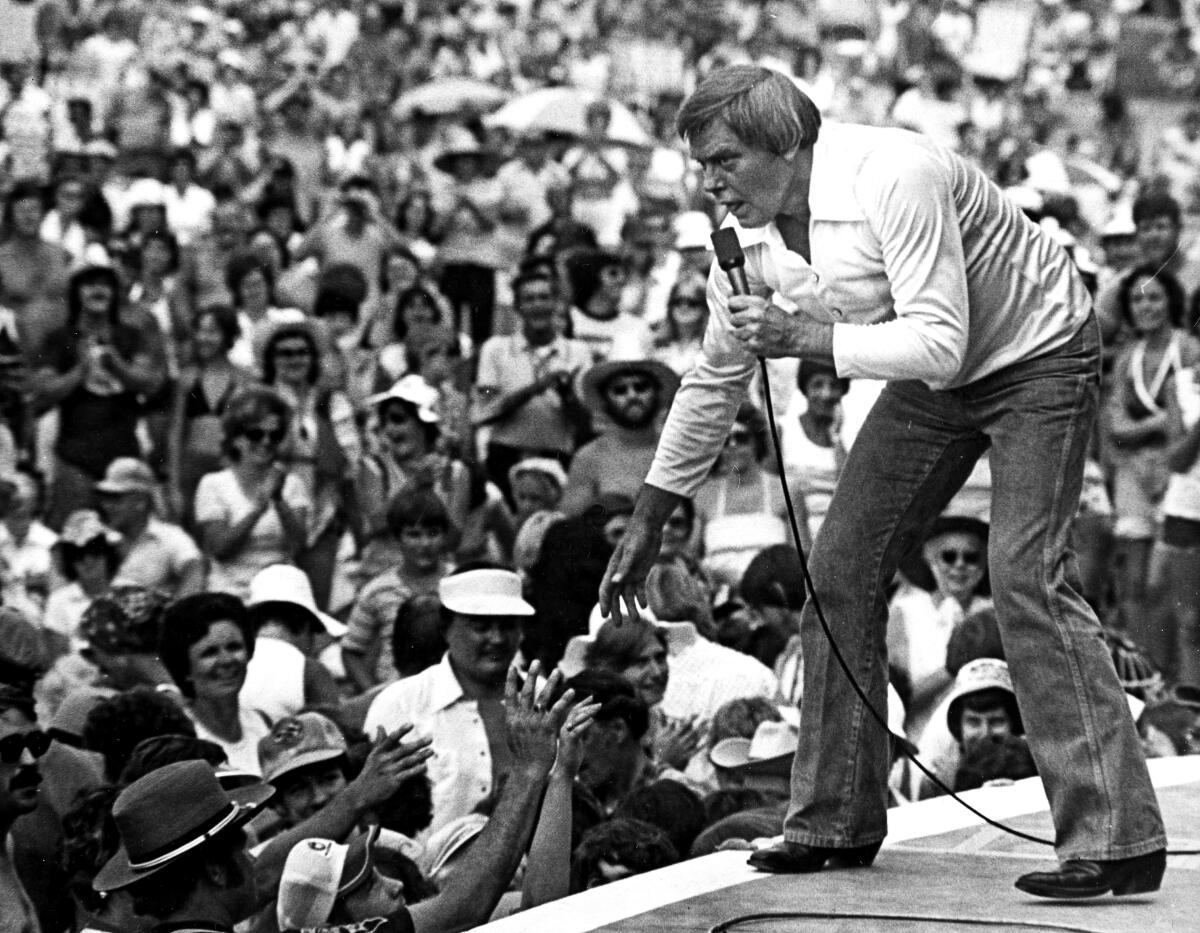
{"x": 689, "y": 302}
{"x": 258, "y": 435}
{"x": 950, "y": 557}
{"x": 397, "y": 418}
{"x": 292, "y": 353}
{"x": 628, "y": 387}
{"x": 11, "y": 746}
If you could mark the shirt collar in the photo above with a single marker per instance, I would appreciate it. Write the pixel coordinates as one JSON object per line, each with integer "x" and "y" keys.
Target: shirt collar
{"x": 445, "y": 689}
{"x": 830, "y": 189}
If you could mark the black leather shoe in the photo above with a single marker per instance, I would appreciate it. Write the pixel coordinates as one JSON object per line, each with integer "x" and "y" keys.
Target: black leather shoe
{"x": 1086, "y": 878}
{"x": 797, "y": 858}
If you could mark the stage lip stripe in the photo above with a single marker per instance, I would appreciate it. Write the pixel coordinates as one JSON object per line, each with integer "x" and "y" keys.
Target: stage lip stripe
{"x": 621, "y": 900}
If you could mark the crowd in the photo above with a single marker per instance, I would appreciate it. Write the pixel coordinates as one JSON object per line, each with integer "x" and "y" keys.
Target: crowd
{"x": 335, "y": 344}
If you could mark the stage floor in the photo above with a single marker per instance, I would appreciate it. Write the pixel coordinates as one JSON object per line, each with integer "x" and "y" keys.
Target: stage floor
{"x": 941, "y": 869}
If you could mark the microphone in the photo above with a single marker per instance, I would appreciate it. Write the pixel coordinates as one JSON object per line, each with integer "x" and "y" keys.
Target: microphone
{"x": 731, "y": 258}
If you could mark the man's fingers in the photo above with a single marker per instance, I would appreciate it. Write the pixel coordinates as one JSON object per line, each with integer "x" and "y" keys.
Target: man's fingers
{"x": 512, "y": 686}
{"x": 546, "y": 695}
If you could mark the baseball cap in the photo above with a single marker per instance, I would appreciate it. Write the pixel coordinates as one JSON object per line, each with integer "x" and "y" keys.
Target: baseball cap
{"x": 297, "y": 742}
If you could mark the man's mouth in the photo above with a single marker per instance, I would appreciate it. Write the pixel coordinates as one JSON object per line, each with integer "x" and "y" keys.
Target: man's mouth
{"x": 26, "y": 778}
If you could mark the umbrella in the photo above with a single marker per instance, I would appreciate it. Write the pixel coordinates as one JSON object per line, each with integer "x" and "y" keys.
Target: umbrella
{"x": 563, "y": 110}
{"x": 446, "y": 96}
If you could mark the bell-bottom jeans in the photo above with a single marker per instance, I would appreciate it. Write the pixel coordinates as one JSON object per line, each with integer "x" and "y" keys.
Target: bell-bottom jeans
{"x": 912, "y": 454}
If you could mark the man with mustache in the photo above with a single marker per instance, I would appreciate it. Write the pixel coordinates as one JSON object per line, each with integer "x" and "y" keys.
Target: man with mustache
{"x": 21, "y": 744}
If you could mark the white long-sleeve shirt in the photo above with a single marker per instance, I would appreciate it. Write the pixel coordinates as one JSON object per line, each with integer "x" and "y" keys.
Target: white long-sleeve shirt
{"x": 925, "y": 269}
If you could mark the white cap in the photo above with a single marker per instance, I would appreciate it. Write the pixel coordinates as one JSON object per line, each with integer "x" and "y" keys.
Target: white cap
{"x": 484, "y": 593}
{"x": 283, "y": 583}
{"x": 309, "y": 885}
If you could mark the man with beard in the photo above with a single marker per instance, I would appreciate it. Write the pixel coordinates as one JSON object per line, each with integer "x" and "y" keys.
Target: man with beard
{"x": 630, "y": 394}
{"x": 21, "y": 744}
{"x": 458, "y": 703}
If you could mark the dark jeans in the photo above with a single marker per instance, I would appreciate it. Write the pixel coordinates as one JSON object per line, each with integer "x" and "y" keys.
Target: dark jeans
{"x": 915, "y": 449}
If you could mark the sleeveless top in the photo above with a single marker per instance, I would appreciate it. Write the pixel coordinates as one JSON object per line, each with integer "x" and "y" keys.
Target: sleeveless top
{"x": 732, "y": 540}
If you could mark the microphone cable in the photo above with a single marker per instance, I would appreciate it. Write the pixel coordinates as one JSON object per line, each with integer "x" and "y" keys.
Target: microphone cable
{"x": 833, "y": 645}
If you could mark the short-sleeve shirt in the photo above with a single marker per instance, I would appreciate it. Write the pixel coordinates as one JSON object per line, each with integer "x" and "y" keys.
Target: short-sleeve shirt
{"x": 369, "y": 628}
{"x": 159, "y": 557}
{"x": 220, "y": 498}
{"x": 509, "y": 363}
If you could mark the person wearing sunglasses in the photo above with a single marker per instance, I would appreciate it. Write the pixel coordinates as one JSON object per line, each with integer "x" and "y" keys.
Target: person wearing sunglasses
{"x": 682, "y": 330}
{"x": 253, "y": 513}
{"x": 21, "y": 745}
{"x": 947, "y": 583}
{"x": 740, "y": 508}
{"x": 322, "y": 444}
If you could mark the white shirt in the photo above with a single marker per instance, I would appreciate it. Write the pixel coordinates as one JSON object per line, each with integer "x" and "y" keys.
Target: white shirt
{"x": 925, "y": 269}
{"x": 704, "y": 676}
{"x": 433, "y": 701}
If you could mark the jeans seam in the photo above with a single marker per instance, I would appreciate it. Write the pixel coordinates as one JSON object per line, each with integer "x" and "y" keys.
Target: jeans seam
{"x": 1087, "y": 713}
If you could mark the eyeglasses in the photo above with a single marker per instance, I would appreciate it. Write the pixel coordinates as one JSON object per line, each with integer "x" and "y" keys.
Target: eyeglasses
{"x": 620, "y": 387}
{"x": 397, "y": 417}
{"x": 258, "y": 435}
{"x": 11, "y": 746}
{"x": 739, "y": 437}
{"x": 950, "y": 557}
{"x": 292, "y": 353}
{"x": 689, "y": 302}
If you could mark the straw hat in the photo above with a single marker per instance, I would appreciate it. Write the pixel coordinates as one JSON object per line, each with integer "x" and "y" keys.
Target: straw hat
{"x": 623, "y": 360}
{"x": 770, "y": 751}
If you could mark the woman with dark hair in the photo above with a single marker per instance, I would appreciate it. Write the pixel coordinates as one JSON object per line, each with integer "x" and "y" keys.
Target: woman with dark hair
{"x": 96, "y": 371}
{"x": 33, "y": 271}
{"x": 417, "y": 222}
{"x": 251, "y": 281}
{"x": 740, "y": 508}
{"x": 813, "y": 452}
{"x": 207, "y": 641}
{"x": 253, "y": 513}
{"x": 202, "y": 395}
{"x": 322, "y": 444}
{"x": 597, "y": 287}
{"x": 1140, "y": 433}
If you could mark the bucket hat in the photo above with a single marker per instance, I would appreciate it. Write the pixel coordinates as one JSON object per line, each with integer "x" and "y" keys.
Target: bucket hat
{"x": 284, "y": 583}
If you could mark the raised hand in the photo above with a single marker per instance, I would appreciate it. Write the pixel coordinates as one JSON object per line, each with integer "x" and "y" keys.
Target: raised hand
{"x": 390, "y": 763}
{"x": 571, "y": 737}
{"x": 534, "y": 718}
{"x": 676, "y": 741}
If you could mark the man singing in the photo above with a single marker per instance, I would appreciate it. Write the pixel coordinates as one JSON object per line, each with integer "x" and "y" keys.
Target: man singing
{"x": 895, "y": 259}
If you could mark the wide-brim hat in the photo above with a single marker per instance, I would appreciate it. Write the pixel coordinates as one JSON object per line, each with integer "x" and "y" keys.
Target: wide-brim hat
{"x": 593, "y": 380}
{"x": 769, "y": 752}
{"x": 170, "y": 812}
{"x": 484, "y": 593}
{"x": 416, "y": 392}
{"x": 462, "y": 144}
{"x": 678, "y": 635}
{"x": 288, "y": 585}
{"x": 127, "y": 474}
{"x": 973, "y": 677}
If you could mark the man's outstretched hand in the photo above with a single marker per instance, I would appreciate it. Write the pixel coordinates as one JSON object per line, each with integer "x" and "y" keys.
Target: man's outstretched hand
{"x": 635, "y": 554}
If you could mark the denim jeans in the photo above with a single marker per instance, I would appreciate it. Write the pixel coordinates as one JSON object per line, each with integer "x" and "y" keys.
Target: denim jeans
{"x": 915, "y": 449}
